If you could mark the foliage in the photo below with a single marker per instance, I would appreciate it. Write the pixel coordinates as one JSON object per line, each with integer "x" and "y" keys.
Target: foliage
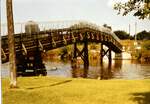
{"x": 146, "y": 45}
{"x": 143, "y": 35}
{"x": 122, "y": 34}
{"x": 141, "y": 8}
{"x": 53, "y": 90}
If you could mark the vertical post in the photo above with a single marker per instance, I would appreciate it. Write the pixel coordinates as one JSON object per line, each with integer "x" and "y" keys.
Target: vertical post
{"x": 110, "y": 56}
{"x": 109, "y": 64}
{"x": 135, "y": 40}
{"x": 102, "y": 71}
{"x": 109, "y": 72}
{"x": 101, "y": 62}
{"x": 101, "y": 53}
{"x": 74, "y": 57}
{"x": 86, "y": 59}
{"x": 75, "y": 50}
{"x": 12, "y": 54}
{"x": 86, "y": 56}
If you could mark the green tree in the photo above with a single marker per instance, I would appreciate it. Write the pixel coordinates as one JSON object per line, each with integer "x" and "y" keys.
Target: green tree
{"x": 122, "y": 34}
{"x": 146, "y": 45}
{"x": 143, "y": 35}
{"x": 141, "y": 8}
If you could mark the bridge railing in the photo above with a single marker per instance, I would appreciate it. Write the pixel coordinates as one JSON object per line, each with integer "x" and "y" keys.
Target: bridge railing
{"x": 58, "y": 25}
{"x": 20, "y": 27}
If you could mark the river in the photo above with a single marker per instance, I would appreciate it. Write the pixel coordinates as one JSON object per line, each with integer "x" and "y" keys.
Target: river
{"x": 118, "y": 69}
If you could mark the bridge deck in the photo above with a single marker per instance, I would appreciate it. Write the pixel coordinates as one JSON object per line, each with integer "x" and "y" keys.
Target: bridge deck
{"x": 51, "y": 39}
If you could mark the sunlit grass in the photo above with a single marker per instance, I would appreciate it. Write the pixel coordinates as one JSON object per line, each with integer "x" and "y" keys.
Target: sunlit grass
{"x": 51, "y": 90}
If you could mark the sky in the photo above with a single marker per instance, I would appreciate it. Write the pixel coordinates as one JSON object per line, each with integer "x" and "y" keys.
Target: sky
{"x": 95, "y": 11}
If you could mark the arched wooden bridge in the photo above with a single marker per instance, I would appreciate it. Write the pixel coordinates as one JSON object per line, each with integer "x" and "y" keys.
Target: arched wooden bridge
{"x": 30, "y": 45}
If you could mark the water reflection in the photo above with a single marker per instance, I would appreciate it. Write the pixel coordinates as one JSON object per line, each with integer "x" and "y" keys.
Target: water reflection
{"x": 103, "y": 70}
{"x": 79, "y": 72}
{"x": 106, "y": 72}
{"x": 118, "y": 69}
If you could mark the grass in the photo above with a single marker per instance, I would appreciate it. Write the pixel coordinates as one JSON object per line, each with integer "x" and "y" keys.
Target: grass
{"x": 55, "y": 90}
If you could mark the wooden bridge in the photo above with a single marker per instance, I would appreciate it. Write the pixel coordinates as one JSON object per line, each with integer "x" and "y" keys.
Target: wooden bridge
{"x": 30, "y": 45}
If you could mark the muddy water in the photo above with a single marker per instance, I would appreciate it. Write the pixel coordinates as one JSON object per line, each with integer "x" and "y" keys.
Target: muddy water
{"x": 118, "y": 69}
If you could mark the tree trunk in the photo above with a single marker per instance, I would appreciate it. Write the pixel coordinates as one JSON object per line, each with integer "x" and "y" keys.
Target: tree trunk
{"x": 11, "y": 45}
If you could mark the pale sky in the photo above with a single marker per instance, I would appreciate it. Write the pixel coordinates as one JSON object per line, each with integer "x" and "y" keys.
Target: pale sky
{"x": 95, "y": 11}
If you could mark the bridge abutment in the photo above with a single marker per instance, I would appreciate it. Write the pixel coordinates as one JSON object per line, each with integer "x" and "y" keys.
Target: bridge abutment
{"x": 30, "y": 63}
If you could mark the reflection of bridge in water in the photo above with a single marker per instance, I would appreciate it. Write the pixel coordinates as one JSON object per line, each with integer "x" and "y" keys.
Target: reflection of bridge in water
{"x": 99, "y": 70}
{"x": 30, "y": 44}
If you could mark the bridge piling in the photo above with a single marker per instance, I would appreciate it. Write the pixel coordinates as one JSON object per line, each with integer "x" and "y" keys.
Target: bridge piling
{"x": 74, "y": 56}
{"x": 109, "y": 56}
{"x": 105, "y": 52}
{"x": 83, "y": 54}
{"x": 86, "y": 57}
{"x": 101, "y": 53}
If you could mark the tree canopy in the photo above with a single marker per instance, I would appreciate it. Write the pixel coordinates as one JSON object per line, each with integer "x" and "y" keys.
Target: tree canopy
{"x": 143, "y": 35}
{"x": 140, "y": 8}
{"x": 122, "y": 34}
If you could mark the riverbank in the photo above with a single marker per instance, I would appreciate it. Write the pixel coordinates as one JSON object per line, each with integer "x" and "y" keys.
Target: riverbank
{"x": 56, "y": 90}
{"x": 140, "y": 51}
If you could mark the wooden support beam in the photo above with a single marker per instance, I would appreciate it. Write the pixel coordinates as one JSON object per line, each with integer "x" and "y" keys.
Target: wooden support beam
{"x": 110, "y": 56}
{"x": 107, "y": 53}
{"x": 86, "y": 58}
{"x": 75, "y": 50}
{"x": 101, "y": 53}
{"x": 83, "y": 53}
{"x": 74, "y": 56}
{"x": 24, "y": 49}
{"x": 3, "y": 54}
{"x": 53, "y": 42}
{"x": 40, "y": 45}
{"x": 102, "y": 71}
{"x": 73, "y": 38}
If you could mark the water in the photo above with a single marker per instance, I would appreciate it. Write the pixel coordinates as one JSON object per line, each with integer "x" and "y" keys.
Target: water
{"x": 119, "y": 69}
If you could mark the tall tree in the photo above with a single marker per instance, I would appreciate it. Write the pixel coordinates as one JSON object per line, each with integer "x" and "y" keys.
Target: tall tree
{"x": 11, "y": 46}
{"x": 141, "y": 8}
